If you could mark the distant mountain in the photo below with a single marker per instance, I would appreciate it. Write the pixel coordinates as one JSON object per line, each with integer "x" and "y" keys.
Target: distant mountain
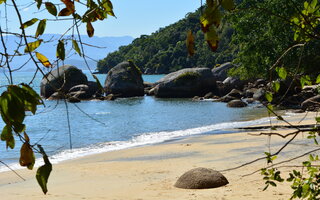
{"x": 95, "y": 48}
{"x": 165, "y": 50}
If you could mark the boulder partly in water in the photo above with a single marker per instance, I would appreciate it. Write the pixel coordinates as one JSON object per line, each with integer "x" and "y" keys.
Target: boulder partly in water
{"x": 125, "y": 80}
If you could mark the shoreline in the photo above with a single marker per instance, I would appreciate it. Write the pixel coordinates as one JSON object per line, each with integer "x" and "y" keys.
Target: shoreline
{"x": 143, "y": 140}
{"x": 149, "y": 172}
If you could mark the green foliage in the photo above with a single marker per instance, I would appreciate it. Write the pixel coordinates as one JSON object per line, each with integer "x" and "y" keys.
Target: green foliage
{"x": 166, "y": 50}
{"x": 271, "y": 176}
{"x": 305, "y": 183}
{"x": 30, "y": 47}
{"x": 44, "y": 171}
{"x": 307, "y": 21}
{"x": 264, "y": 31}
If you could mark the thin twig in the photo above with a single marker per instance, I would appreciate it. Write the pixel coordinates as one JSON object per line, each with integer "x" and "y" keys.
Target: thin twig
{"x": 12, "y": 170}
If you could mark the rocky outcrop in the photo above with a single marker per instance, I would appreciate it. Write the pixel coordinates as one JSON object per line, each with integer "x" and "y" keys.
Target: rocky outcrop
{"x": 125, "y": 80}
{"x": 201, "y": 178}
{"x": 61, "y": 79}
{"x": 221, "y": 73}
{"x": 188, "y": 82}
{"x": 311, "y": 104}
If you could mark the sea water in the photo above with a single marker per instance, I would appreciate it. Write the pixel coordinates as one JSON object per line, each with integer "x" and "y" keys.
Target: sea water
{"x": 101, "y": 126}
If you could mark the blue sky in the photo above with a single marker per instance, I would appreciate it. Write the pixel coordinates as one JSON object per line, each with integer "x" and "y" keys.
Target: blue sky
{"x": 134, "y": 17}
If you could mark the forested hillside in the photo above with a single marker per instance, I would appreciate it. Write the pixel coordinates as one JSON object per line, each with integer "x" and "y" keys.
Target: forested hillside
{"x": 165, "y": 50}
{"x": 253, "y": 36}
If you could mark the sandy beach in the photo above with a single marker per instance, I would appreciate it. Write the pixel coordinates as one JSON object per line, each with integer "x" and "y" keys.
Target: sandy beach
{"x": 150, "y": 172}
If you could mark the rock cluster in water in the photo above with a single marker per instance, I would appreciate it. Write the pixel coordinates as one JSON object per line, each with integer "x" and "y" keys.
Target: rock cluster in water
{"x": 125, "y": 80}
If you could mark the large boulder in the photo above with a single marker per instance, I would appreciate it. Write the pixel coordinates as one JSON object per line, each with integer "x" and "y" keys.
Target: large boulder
{"x": 61, "y": 79}
{"x": 221, "y": 73}
{"x": 234, "y": 83}
{"x": 201, "y": 178}
{"x": 237, "y": 104}
{"x": 124, "y": 80}
{"x": 312, "y": 103}
{"x": 187, "y": 82}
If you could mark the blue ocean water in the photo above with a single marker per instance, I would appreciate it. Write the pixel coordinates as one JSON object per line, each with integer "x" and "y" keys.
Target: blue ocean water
{"x": 100, "y": 126}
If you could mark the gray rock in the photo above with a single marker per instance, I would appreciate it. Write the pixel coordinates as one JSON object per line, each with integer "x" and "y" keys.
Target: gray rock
{"x": 110, "y": 97}
{"x": 124, "y": 80}
{"x": 311, "y": 103}
{"x": 234, "y": 83}
{"x": 260, "y": 82}
{"x": 209, "y": 95}
{"x": 221, "y": 73}
{"x": 85, "y": 91}
{"x": 187, "y": 82}
{"x": 227, "y": 98}
{"x": 237, "y": 104}
{"x": 250, "y": 100}
{"x": 201, "y": 178}
{"x": 235, "y": 93}
{"x": 62, "y": 79}
{"x": 73, "y": 99}
{"x": 57, "y": 96}
{"x": 250, "y": 92}
{"x": 259, "y": 94}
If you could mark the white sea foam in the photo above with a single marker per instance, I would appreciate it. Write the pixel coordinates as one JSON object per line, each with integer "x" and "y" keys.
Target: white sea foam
{"x": 143, "y": 139}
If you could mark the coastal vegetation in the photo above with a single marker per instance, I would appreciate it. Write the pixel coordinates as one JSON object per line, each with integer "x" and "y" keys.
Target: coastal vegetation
{"x": 253, "y": 37}
{"x": 165, "y": 50}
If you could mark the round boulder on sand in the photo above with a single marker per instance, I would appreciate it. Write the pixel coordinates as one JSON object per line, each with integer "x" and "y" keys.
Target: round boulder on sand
{"x": 201, "y": 178}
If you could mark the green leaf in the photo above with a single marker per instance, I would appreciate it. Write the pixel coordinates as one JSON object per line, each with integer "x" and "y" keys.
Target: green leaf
{"x": 76, "y": 47}
{"x": 19, "y": 127}
{"x": 318, "y": 79}
{"x": 317, "y": 119}
{"x": 313, "y": 4}
{"x": 90, "y": 29}
{"x": 282, "y": 72}
{"x": 43, "y": 172}
{"x": 228, "y": 5}
{"x": 2, "y": 1}
{"x": 269, "y": 96}
{"x": 41, "y": 27}
{"x": 27, "y": 158}
{"x": 272, "y": 183}
{"x": 7, "y": 136}
{"x": 211, "y": 16}
{"x": 30, "y": 47}
{"x": 12, "y": 107}
{"x": 65, "y": 12}
{"x": 33, "y": 93}
{"x": 276, "y": 86}
{"x": 51, "y": 8}
{"x": 305, "y": 80}
{"x": 98, "y": 82}
{"x": 270, "y": 108}
{"x": 61, "y": 50}
{"x": 29, "y": 23}
{"x": 39, "y": 2}
{"x": 190, "y": 43}
{"x": 212, "y": 39}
